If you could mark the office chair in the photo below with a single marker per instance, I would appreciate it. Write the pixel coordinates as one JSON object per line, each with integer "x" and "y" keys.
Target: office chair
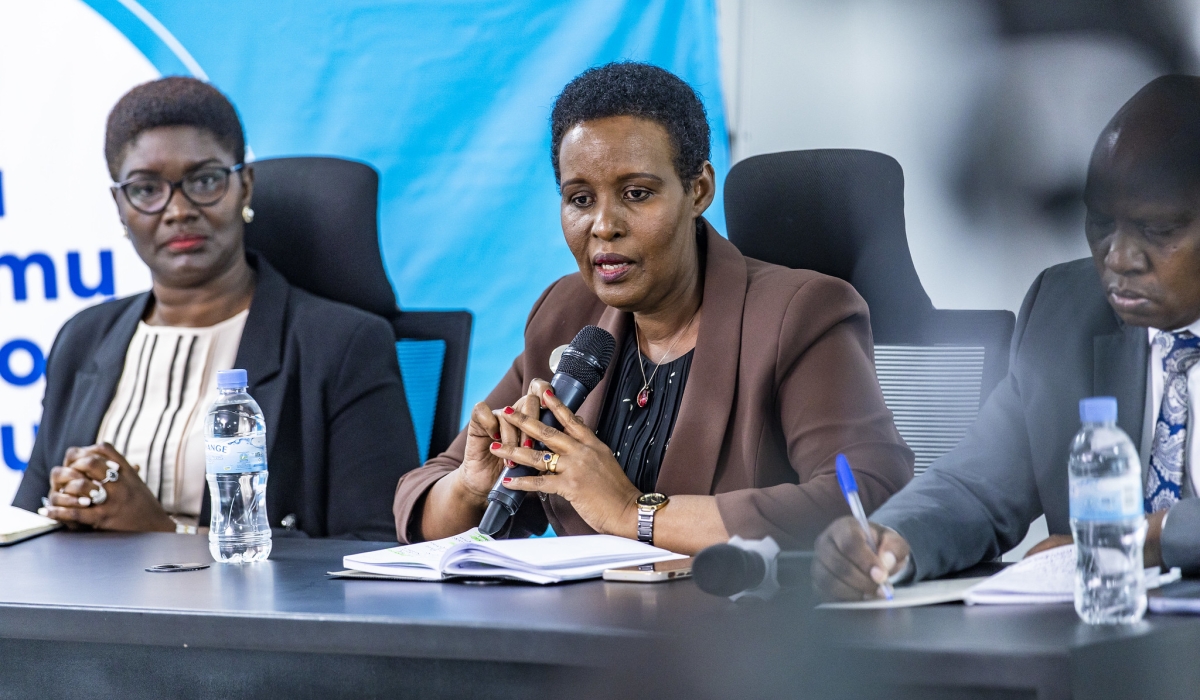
{"x": 841, "y": 212}
{"x": 316, "y": 222}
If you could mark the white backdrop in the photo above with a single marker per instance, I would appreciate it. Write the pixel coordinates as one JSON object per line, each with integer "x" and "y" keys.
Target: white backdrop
{"x": 62, "y": 67}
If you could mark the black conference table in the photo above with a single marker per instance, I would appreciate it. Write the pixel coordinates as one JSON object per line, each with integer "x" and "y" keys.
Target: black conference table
{"x": 80, "y": 617}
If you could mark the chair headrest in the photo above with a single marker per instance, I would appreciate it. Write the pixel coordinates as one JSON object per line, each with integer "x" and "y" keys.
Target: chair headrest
{"x": 837, "y": 211}
{"x": 316, "y": 222}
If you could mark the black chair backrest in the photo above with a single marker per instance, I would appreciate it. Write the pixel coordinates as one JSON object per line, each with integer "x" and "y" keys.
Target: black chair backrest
{"x": 316, "y": 222}
{"x": 839, "y": 212}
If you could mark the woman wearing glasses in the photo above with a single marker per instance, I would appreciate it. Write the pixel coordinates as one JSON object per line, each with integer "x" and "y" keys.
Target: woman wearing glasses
{"x": 128, "y": 382}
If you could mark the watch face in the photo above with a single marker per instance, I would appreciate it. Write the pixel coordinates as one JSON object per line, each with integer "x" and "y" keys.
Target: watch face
{"x": 651, "y": 500}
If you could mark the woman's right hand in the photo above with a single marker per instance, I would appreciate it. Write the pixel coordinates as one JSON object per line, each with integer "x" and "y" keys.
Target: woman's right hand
{"x": 481, "y": 469}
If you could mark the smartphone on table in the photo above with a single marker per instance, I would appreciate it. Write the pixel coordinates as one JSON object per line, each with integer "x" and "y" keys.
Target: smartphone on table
{"x": 652, "y": 573}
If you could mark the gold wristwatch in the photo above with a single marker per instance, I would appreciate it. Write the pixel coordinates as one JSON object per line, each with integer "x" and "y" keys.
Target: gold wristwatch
{"x": 648, "y": 504}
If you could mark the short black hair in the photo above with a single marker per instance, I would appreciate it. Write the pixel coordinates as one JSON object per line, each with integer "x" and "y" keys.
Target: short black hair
{"x": 175, "y": 101}
{"x": 628, "y": 88}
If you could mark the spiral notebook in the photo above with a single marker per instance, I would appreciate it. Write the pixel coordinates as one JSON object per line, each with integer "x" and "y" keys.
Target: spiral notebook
{"x": 473, "y": 554}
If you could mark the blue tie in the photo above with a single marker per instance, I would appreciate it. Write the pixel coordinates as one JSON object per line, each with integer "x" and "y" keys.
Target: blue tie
{"x": 1168, "y": 456}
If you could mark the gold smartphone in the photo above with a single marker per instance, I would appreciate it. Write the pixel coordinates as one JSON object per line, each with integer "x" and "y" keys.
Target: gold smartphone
{"x": 651, "y": 573}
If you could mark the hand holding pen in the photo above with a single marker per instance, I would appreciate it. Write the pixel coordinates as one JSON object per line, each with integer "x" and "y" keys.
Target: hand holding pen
{"x": 879, "y": 565}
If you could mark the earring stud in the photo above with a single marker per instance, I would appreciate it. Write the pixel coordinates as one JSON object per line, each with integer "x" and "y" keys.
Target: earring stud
{"x": 247, "y": 214}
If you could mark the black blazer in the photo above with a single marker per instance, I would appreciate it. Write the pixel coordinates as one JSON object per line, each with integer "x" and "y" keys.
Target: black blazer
{"x": 339, "y": 434}
{"x": 978, "y": 500}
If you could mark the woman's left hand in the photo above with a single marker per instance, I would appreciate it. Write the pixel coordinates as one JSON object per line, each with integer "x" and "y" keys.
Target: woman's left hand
{"x": 128, "y": 506}
{"x": 586, "y": 474}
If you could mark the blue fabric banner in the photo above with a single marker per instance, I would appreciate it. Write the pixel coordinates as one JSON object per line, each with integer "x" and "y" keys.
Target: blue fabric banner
{"x": 450, "y": 101}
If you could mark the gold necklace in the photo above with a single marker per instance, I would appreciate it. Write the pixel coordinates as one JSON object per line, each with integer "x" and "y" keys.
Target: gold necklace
{"x": 643, "y": 396}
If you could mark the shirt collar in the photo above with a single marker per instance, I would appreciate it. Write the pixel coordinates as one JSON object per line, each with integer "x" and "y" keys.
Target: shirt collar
{"x": 1194, "y": 328}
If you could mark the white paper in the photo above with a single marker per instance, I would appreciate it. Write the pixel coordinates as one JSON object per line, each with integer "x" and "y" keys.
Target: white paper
{"x": 17, "y": 524}
{"x": 921, "y": 593}
{"x": 421, "y": 560}
{"x": 536, "y": 560}
{"x": 1045, "y": 578}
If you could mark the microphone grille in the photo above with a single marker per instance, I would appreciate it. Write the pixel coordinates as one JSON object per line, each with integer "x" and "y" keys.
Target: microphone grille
{"x": 587, "y": 358}
{"x": 724, "y": 570}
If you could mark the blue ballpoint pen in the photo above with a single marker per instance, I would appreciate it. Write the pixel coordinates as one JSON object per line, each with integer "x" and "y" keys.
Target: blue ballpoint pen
{"x": 850, "y": 491}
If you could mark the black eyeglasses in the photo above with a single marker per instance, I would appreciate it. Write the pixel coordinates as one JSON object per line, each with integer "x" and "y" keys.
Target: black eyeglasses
{"x": 205, "y": 187}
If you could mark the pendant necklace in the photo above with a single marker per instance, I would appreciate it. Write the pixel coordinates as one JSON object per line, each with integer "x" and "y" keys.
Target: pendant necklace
{"x": 643, "y": 396}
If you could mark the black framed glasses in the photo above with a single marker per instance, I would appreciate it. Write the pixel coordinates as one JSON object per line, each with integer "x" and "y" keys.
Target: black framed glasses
{"x": 203, "y": 187}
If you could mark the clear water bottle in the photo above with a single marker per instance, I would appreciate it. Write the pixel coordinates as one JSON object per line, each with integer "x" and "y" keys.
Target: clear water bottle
{"x": 235, "y": 456}
{"x": 1107, "y": 518}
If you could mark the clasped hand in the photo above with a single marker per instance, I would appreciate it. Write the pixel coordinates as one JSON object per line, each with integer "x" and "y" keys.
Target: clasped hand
{"x": 129, "y": 505}
{"x": 586, "y": 473}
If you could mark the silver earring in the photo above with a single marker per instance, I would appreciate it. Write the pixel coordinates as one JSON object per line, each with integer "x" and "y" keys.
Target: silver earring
{"x": 247, "y": 214}
{"x": 126, "y": 227}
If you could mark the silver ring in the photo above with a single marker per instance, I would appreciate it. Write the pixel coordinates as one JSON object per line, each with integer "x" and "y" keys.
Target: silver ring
{"x": 112, "y": 473}
{"x": 99, "y": 494}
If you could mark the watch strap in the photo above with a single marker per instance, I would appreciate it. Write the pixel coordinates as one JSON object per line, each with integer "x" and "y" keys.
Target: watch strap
{"x": 645, "y": 524}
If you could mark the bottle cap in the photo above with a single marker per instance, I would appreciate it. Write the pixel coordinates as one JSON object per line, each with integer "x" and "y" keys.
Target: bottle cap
{"x": 231, "y": 379}
{"x": 1098, "y": 409}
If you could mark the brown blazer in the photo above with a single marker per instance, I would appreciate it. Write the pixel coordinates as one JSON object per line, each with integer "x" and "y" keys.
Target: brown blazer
{"x": 782, "y": 380}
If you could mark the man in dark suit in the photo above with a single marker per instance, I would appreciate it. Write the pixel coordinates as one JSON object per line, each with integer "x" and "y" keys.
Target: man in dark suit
{"x": 1123, "y": 324}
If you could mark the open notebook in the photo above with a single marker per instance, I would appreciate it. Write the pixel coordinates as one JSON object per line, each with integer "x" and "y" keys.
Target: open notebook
{"x": 1046, "y": 577}
{"x": 473, "y": 554}
{"x": 17, "y": 524}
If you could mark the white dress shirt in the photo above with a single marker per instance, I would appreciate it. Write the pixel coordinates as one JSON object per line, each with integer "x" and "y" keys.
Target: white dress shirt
{"x": 156, "y": 418}
{"x": 1155, "y": 376}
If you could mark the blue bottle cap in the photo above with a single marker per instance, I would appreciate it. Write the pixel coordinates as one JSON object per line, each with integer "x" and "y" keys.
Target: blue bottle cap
{"x": 845, "y": 476}
{"x": 231, "y": 379}
{"x": 1098, "y": 409}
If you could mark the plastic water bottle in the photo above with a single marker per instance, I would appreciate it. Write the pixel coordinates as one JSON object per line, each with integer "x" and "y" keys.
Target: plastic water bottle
{"x": 1107, "y": 518}
{"x": 235, "y": 457}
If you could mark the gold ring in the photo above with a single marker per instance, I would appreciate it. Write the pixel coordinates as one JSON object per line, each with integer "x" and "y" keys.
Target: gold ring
{"x": 552, "y": 462}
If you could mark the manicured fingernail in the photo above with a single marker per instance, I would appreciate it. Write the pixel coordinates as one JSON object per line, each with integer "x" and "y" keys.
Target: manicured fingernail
{"x": 85, "y": 501}
{"x": 509, "y": 463}
{"x": 878, "y": 575}
{"x": 509, "y": 410}
{"x": 496, "y": 445}
{"x": 528, "y": 443}
{"x": 549, "y": 392}
{"x": 507, "y": 479}
{"x": 889, "y": 560}
{"x": 496, "y": 436}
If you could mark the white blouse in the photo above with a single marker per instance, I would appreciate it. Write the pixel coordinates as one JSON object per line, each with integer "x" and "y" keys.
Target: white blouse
{"x": 156, "y": 418}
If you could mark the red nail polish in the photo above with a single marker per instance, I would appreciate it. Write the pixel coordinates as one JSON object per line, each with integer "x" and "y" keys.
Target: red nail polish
{"x": 508, "y": 463}
{"x": 528, "y": 443}
{"x": 507, "y": 479}
{"x": 509, "y": 410}
{"x": 549, "y": 392}
{"x": 496, "y": 445}
{"x": 496, "y": 436}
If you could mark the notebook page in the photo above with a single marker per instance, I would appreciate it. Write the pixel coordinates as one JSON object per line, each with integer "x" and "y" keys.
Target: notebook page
{"x": 549, "y": 553}
{"x": 16, "y": 523}
{"x": 423, "y": 555}
{"x": 1049, "y": 573}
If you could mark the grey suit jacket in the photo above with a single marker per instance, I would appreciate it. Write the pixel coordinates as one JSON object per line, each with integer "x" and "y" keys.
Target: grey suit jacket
{"x": 978, "y": 500}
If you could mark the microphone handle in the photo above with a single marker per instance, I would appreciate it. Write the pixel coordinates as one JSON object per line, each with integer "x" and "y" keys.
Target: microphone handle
{"x": 504, "y": 502}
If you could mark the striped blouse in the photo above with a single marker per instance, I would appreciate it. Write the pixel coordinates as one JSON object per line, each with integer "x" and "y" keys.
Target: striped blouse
{"x": 156, "y": 418}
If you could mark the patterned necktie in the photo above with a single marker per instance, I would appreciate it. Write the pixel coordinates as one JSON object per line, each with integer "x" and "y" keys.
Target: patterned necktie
{"x": 1164, "y": 481}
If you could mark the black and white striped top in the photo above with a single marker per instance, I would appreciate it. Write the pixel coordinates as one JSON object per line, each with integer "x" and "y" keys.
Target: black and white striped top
{"x": 156, "y": 418}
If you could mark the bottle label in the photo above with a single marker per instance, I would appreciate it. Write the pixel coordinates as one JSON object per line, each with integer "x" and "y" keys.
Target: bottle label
{"x": 237, "y": 454}
{"x": 1107, "y": 498}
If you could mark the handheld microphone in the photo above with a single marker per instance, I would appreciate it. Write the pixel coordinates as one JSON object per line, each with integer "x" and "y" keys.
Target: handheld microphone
{"x": 746, "y": 567}
{"x": 581, "y": 368}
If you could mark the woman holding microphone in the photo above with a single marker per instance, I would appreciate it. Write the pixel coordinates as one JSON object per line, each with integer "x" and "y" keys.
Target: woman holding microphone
{"x": 734, "y": 385}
